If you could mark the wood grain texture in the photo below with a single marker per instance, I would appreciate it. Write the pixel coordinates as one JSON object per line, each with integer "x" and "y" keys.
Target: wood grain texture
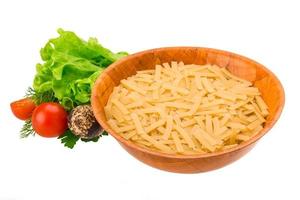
{"x": 270, "y": 87}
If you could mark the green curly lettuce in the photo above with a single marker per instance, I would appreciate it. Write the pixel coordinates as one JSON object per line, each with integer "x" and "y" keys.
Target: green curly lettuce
{"x": 71, "y": 66}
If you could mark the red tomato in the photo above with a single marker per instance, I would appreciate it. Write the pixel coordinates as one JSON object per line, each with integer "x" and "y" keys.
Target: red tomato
{"x": 49, "y": 119}
{"x": 23, "y": 108}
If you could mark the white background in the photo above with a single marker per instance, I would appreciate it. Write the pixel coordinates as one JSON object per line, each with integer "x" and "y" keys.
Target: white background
{"x": 38, "y": 168}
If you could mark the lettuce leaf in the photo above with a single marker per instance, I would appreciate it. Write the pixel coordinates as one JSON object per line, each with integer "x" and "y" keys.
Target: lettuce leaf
{"x": 71, "y": 66}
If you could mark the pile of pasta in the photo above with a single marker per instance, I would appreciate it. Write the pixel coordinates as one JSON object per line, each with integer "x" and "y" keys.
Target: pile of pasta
{"x": 186, "y": 109}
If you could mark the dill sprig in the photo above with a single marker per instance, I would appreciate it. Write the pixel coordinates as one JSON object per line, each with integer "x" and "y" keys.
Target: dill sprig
{"x": 27, "y": 129}
{"x": 40, "y": 97}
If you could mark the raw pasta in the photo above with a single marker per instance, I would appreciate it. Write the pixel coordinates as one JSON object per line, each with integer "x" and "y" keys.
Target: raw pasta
{"x": 186, "y": 109}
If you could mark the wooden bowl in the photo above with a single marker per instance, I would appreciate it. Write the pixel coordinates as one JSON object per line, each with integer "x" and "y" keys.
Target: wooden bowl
{"x": 270, "y": 87}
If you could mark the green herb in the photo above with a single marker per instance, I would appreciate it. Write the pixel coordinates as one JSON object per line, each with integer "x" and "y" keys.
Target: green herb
{"x": 27, "y": 129}
{"x": 68, "y": 139}
{"x": 40, "y": 97}
{"x": 104, "y": 133}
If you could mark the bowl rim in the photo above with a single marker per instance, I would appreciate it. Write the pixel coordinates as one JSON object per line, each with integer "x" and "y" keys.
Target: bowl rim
{"x": 241, "y": 146}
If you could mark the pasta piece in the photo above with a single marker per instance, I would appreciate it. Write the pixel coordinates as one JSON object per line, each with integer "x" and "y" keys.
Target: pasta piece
{"x": 185, "y": 136}
{"x": 147, "y": 110}
{"x": 258, "y": 113}
{"x": 138, "y": 126}
{"x": 242, "y": 137}
{"x": 198, "y": 81}
{"x": 251, "y": 118}
{"x": 132, "y": 86}
{"x": 116, "y": 114}
{"x": 216, "y": 70}
{"x": 235, "y": 125}
{"x": 157, "y": 144}
{"x": 245, "y": 90}
{"x": 155, "y": 125}
{"x": 216, "y": 125}
{"x": 149, "y": 71}
{"x": 177, "y": 142}
{"x": 229, "y": 146}
{"x": 156, "y": 91}
{"x": 174, "y": 66}
{"x": 144, "y": 143}
{"x": 211, "y": 139}
{"x": 254, "y": 124}
{"x": 194, "y": 108}
{"x": 120, "y": 106}
{"x": 227, "y": 134}
{"x": 208, "y": 124}
{"x": 163, "y": 99}
{"x": 226, "y": 95}
{"x": 169, "y": 127}
{"x": 221, "y": 130}
{"x": 197, "y": 134}
{"x": 200, "y": 122}
{"x": 107, "y": 112}
{"x": 166, "y": 66}
{"x": 228, "y": 74}
{"x": 177, "y": 120}
{"x": 162, "y": 130}
{"x": 113, "y": 125}
{"x": 260, "y": 102}
{"x": 262, "y": 105}
{"x": 208, "y": 75}
{"x": 180, "y": 90}
{"x": 145, "y": 80}
{"x": 178, "y": 105}
{"x": 256, "y": 130}
{"x": 210, "y": 104}
{"x": 157, "y": 74}
{"x": 237, "y": 105}
{"x": 211, "y": 112}
{"x": 126, "y": 128}
{"x": 135, "y": 137}
{"x": 129, "y": 135}
{"x": 134, "y": 104}
{"x": 207, "y": 85}
{"x": 189, "y": 122}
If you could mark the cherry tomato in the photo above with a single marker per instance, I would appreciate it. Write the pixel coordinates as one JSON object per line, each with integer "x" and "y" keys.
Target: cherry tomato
{"x": 23, "y": 108}
{"x": 49, "y": 119}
